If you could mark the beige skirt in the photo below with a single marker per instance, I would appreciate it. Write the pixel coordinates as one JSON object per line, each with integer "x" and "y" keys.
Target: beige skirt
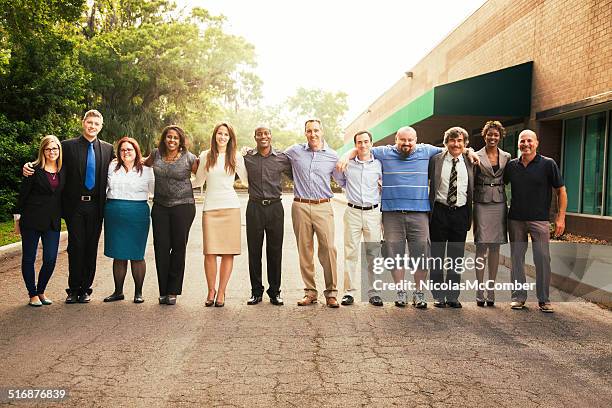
{"x": 221, "y": 229}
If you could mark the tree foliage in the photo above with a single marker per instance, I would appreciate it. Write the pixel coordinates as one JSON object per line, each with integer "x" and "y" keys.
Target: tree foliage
{"x": 41, "y": 82}
{"x": 150, "y": 69}
{"x": 142, "y": 63}
{"x": 328, "y": 107}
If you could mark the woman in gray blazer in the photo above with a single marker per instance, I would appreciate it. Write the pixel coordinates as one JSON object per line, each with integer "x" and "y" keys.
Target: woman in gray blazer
{"x": 490, "y": 206}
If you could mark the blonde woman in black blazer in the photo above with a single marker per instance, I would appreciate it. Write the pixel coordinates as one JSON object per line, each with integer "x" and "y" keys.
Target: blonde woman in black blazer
{"x": 40, "y": 209}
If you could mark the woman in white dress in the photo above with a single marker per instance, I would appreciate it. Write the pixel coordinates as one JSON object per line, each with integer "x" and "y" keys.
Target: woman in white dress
{"x": 221, "y": 215}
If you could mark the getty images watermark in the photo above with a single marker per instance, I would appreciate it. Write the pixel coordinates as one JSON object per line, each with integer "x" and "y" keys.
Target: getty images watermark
{"x": 578, "y": 270}
{"x": 460, "y": 265}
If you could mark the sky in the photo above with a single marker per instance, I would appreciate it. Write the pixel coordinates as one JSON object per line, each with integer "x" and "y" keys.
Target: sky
{"x": 355, "y": 46}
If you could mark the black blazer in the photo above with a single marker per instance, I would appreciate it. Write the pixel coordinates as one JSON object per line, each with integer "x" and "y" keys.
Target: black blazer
{"x": 40, "y": 207}
{"x": 74, "y": 162}
{"x": 435, "y": 178}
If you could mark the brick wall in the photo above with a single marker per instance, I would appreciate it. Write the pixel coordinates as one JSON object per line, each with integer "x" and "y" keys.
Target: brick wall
{"x": 570, "y": 42}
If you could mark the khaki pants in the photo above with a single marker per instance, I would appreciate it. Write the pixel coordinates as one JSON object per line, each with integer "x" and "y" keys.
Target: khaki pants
{"x": 308, "y": 220}
{"x": 358, "y": 223}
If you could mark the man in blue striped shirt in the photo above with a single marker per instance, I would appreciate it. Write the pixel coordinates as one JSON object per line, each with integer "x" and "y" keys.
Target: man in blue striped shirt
{"x": 405, "y": 205}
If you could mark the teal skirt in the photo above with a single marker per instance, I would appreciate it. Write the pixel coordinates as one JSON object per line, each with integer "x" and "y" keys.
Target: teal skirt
{"x": 126, "y": 228}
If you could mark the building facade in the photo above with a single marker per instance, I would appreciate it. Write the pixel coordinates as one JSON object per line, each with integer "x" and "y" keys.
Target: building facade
{"x": 542, "y": 65}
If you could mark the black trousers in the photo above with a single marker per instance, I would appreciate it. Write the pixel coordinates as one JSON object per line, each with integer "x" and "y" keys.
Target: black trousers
{"x": 268, "y": 220}
{"x": 171, "y": 227}
{"x": 447, "y": 230}
{"x": 84, "y": 227}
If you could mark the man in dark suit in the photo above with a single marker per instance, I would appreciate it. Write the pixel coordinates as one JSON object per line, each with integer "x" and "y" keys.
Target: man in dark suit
{"x": 85, "y": 162}
{"x": 451, "y": 186}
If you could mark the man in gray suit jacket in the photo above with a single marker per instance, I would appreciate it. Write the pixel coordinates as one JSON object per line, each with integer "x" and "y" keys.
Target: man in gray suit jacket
{"x": 451, "y": 186}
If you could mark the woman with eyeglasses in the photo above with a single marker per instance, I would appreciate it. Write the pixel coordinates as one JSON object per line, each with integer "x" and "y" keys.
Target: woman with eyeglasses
{"x": 38, "y": 217}
{"x": 126, "y": 216}
{"x": 221, "y": 214}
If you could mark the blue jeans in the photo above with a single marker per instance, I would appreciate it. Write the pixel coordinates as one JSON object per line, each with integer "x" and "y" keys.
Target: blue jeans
{"x": 29, "y": 246}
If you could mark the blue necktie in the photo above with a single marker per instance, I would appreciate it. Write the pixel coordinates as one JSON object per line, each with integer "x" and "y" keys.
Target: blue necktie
{"x": 90, "y": 169}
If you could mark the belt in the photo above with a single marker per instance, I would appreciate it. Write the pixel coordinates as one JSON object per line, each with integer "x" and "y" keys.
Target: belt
{"x": 311, "y": 201}
{"x": 88, "y": 198}
{"x": 363, "y": 208}
{"x": 450, "y": 207}
{"x": 491, "y": 184}
{"x": 265, "y": 202}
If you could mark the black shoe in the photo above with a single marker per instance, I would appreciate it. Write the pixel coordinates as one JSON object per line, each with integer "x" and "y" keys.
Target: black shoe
{"x": 347, "y": 300}
{"x": 439, "y": 303}
{"x": 376, "y": 301}
{"x": 454, "y": 304}
{"x": 253, "y": 300}
{"x": 72, "y": 298}
{"x": 480, "y": 303}
{"x": 84, "y": 298}
{"x": 114, "y": 297}
{"x": 163, "y": 300}
{"x": 138, "y": 298}
{"x": 400, "y": 303}
{"x": 276, "y": 300}
{"x": 490, "y": 303}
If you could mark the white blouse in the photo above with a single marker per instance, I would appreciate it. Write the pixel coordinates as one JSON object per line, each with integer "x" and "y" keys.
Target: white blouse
{"x": 220, "y": 184}
{"x": 132, "y": 186}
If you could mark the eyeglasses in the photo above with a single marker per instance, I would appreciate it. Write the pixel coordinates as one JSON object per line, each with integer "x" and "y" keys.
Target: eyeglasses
{"x": 126, "y": 150}
{"x": 51, "y": 149}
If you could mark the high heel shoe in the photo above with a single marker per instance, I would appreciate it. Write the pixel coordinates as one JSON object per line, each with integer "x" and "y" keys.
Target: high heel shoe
{"x": 210, "y": 302}
{"x": 220, "y": 304}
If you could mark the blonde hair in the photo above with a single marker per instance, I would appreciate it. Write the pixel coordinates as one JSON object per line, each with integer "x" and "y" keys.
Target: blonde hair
{"x": 46, "y": 141}
{"x": 93, "y": 112}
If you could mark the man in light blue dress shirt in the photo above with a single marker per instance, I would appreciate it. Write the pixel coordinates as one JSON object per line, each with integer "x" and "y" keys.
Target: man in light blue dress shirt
{"x": 361, "y": 180}
{"x": 313, "y": 164}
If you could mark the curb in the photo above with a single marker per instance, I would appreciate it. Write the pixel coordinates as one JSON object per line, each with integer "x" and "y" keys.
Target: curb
{"x": 14, "y": 249}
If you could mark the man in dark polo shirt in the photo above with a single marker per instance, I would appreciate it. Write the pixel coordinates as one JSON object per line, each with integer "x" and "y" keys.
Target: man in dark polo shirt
{"x": 265, "y": 214}
{"x": 532, "y": 178}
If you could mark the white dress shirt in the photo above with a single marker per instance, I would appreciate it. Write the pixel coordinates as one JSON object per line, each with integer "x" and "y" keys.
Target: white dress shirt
{"x": 219, "y": 183}
{"x": 133, "y": 186}
{"x": 462, "y": 180}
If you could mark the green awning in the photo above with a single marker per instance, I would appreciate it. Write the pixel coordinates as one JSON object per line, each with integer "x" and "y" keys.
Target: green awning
{"x": 502, "y": 93}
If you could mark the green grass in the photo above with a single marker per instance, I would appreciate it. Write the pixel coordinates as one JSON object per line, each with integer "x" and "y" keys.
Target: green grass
{"x": 7, "y": 232}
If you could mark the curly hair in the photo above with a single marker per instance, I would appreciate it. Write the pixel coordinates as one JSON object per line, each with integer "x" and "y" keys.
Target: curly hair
{"x": 494, "y": 124}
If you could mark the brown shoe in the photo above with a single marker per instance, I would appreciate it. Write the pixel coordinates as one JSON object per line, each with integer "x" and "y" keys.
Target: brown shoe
{"x": 307, "y": 301}
{"x": 332, "y": 302}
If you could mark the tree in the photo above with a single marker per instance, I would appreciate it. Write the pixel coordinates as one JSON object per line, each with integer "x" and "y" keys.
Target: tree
{"x": 151, "y": 69}
{"x": 41, "y": 82}
{"x": 328, "y": 107}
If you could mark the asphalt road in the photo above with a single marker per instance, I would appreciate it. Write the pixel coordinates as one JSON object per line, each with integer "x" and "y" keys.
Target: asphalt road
{"x": 123, "y": 354}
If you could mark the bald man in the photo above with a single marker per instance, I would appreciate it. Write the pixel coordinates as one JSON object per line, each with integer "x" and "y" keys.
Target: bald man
{"x": 532, "y": 178}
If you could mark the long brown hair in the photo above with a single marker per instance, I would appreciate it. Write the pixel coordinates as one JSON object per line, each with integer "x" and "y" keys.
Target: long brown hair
{"x": 230, "y": 151}
{"x": 46, "y": 141}
{"x": 161, "y": 145}
{"x": 137, "y": 160}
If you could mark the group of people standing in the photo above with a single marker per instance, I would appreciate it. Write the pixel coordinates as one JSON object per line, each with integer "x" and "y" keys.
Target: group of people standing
{"x": 425, "y": 195}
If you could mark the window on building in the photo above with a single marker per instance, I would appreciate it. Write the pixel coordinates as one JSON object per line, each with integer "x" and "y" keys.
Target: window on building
{"x": 572, "y": 151}
{"x": 584, "y": 164}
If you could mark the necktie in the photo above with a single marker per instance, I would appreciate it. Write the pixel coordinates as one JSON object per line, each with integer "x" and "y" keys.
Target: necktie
{"x": 90, "y": 168}
{"x": 451, "y": 199}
